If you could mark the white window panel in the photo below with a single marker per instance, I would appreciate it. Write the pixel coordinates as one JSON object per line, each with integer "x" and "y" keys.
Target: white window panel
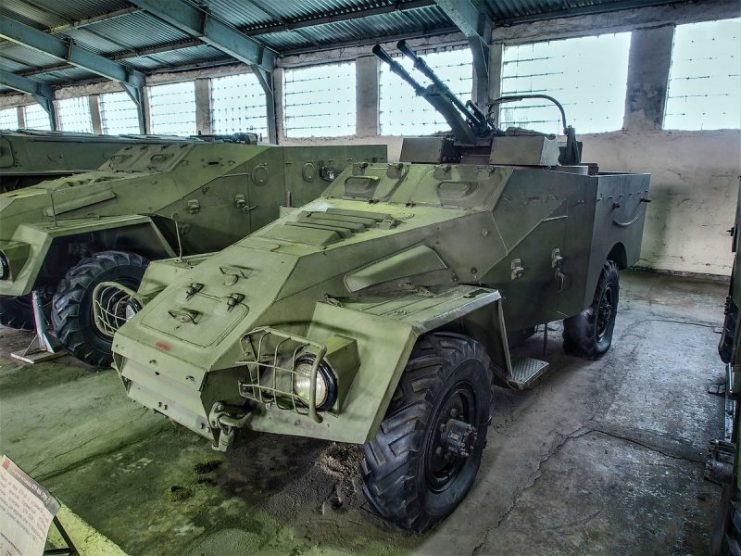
{"x": 74, "y": 115}
{"x": 36, "y": 117}
{"x": 172, "y": 109}
{"x": 319, "y": 101}
{"x": 9, "y": 118}
{"x": 118, "y": 114}
{"x": 404, "y": 113}
{"x": 705, "y": 78}
{"x": 588, "y": 75}
{"x": 238, "y": 104}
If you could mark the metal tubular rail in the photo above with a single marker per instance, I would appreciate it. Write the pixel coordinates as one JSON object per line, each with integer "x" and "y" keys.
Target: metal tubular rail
{"x": 270, "y": 363}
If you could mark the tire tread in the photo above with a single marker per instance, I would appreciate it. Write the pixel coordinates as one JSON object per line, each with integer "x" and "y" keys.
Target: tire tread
{"x": 578, "y": 334}
{"x": 65, "y": 314}
{"x": 388, "y": 469}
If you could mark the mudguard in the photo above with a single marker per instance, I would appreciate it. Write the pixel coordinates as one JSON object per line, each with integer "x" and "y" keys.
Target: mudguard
{"x": 27, "y": 250}
{"x": 383, "y": 330}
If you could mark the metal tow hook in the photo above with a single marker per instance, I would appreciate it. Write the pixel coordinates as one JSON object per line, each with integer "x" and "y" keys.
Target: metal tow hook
{"x": 226, "y": 425}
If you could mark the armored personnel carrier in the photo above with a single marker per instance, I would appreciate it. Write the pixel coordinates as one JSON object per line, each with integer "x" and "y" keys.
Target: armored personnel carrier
{"x": 149, "y": 201}
{"x": 28, "y": 157}
{"x": 383, "y": 312}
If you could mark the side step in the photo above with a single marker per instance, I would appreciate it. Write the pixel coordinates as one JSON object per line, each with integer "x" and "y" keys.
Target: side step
{"x": 525, "y": 372}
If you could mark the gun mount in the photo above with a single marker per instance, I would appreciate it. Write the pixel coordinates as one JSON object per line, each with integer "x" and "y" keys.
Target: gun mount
{"x": 473, "y": 131}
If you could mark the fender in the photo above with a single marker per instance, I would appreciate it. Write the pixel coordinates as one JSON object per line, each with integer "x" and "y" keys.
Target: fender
{"x": 383, "y": 333}
{"x": 28, "y": 248}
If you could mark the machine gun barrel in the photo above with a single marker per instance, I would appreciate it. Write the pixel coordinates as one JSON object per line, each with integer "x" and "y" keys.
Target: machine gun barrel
{"x": 398, "y": 69}
{"x": 475, "y": 116}
{"x": 464, "y": 132}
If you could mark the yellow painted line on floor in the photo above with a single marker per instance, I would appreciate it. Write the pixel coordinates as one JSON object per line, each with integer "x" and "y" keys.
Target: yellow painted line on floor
{"x": 86, "y": 539}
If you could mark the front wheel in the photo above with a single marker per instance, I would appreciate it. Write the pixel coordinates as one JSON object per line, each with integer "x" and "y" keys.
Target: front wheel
{"x": 426, "y": 454}
{"x": 589, "y": 334}
{"x": 72, "y": 310}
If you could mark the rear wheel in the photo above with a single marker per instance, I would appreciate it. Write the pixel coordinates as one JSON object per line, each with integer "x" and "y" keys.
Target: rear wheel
{"x": 589, "y": 334}
{"x": 72, "y": 310}
{"x": 17, "y": 312}
{"x": 426, "y": 454}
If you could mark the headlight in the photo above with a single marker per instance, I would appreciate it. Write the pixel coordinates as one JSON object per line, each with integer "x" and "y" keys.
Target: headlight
{"x": 4, "y": 268}
{"x": 132, "y": 308}
{"x": 326, "y": 383}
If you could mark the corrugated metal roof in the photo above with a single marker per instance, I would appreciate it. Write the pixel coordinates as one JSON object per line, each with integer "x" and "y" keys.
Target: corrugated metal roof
{"x": 508, "y": 11}
{"x": 190, "y": 55}
{"x": 283, "y": 40}
{"x": 68, "y": 11}
{"x": 65, "y": 75}
{"x": 29, "y": 13}
{"x": 428, "y": 18}
{"x": 240, "y": 13}
{"x": 27, "y": 56}
{"x": 126, "y": 32}
{"x": 137, "y": 38}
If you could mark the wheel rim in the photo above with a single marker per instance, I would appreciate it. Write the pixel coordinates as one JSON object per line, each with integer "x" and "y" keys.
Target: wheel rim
{"x": 442, "y": 465}
{"x": 605, "y": 312}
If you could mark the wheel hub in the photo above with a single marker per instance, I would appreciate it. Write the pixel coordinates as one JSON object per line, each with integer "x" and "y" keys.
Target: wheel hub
{"x": 459, "y": 437}
{"x": 453, "y": 440}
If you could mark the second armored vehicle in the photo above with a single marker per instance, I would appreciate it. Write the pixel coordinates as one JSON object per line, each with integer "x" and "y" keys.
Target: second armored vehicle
{"x": 383, "y": 312}
{"x": 28, "y": 157}
{"x": 147, "y": 202}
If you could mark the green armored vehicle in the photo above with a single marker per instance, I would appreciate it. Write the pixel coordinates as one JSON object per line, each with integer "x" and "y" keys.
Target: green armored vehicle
{"x": 382, "y": 313}
{"x": 724, "y": 455}
{"x": 61, "y": 237}
{"x": 28, "y": 157}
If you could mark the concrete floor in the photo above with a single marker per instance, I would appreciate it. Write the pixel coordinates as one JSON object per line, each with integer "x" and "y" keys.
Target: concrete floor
{"x": 600, "y": 457}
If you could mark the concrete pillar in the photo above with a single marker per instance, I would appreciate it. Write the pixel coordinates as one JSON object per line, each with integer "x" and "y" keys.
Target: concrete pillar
{"x": 203, "y": 106}
{"x": 496, "y": 52}
{"x": 648, "y": 78}
{"x": 94, "y": 101}
{"x": 21, "y": 117}
{"x": 366, "y": 96}
{"x": 278, "y": 103}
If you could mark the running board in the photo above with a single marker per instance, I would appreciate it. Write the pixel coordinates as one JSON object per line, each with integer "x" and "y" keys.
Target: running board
{"x": 523, "y": 373}
{"x": 526, "y": 372}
